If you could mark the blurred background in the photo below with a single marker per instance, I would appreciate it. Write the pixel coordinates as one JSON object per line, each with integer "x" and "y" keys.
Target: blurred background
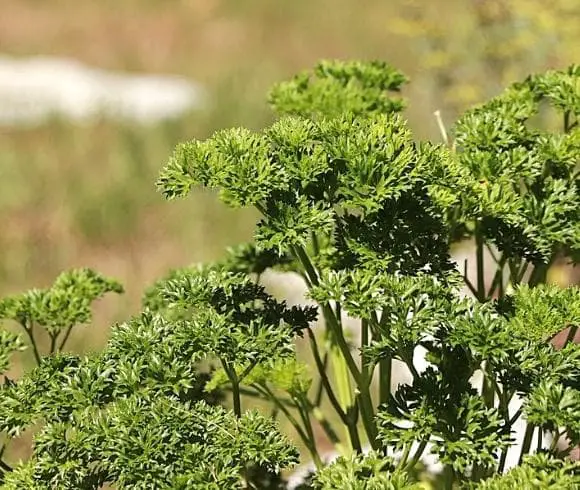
{"x": 95, "y": 95}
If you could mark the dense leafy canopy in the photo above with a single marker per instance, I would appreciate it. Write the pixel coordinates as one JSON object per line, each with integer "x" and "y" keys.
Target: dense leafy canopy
{"x": 335, "y": 87}
{"x": 528, "y": 200}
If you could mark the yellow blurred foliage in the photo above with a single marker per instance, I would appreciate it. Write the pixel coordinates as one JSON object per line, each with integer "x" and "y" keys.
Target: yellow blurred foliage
{"x": 473, "y": 49}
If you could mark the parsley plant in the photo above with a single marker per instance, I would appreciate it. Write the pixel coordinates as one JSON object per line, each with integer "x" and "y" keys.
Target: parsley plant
{"x": 366, "y": 216}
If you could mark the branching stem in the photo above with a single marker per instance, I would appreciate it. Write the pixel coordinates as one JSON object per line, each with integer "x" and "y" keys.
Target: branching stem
{"x": 527, "y": 443}
{"x": 235, "y": 381}
{"x": 309, "y": 443}
{"x": 30, "y": 333}
{"x": 65, "y": 338}
{"x": 325, "y": 382}
{"x": 337, "y": 335}
{"x": 418, "y": 453}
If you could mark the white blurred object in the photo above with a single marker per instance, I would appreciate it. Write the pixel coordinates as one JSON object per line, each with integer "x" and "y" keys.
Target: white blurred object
{"x": 33, "y": 89}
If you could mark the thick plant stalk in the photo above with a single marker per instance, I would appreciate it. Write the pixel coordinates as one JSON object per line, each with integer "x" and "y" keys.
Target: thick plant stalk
{"x": 344, "y": 363}
{"x": 363, "y": 395}
{"x": 236, "y": 395}
{"x": 527, "y": 444}
{"x": 30, "y": 334}
{"x": 337, "y": 356}
{"x": 345, "y": 398}
{"x": 385, "y": 371}
{"x": 479, "y": 257}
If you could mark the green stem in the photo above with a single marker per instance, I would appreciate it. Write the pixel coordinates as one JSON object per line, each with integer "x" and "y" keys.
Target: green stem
{"x": 408, "y": 360}
{"x": 368, "y": 416}
{"x": 345, "y": 397}
{"x": 418, "y": 453}
{"x": 502, "y": 460}
{"x": 479, "y": 257}
{"x": 325, "y": 382}
{"x": 256, "y": 394}
{"x": 566, "y": 452}
{"x": 540, "y": 440}
{"x": 504, "y": 401}
{"x": 385, "y": 366}
{"x": 354, "y": 436}
{"x": 52, "y": 342}
{"x": 339, "y": 351}
{"x": 234, "y": 380}
{"x": 237, "y": 399}
{"x": 332, "y": 321}
{"x": 492, "y": 253}
{"x": 571, "y": 335}
{"x": 540, "y": 273}
{"x": 487, "y": 389}
{"x": 343, "y": 364}
{"x": 528, "y": 436}
{"x": 516, "y": 416}
{"x": 488, "y": 395}
{"x": 65, "y": 338}
{"x": 30, "y": 334}
{"x": 449, "y": 477}
{"x": 267, "y": 393}
{"x": 555, "y": 441}
{"x": 246, "y": 371}
{"x": 262, "y": 208}
{"x": 305, "y": 416}
{"x": 567, "y": 125}
{"x": 320, "y": 388}
{"x": 521, "y": 273}
{"x": 364, "y": 344}
{"x": 497, "y": 282}
{"x": 315, "y": 244}
{"x": 466, "y": 280}
{"x": 405, "y": 456}
{"x": 307, "y": 264}
{"x": 4, "y": 467}
{"x": 344, "y": 357}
